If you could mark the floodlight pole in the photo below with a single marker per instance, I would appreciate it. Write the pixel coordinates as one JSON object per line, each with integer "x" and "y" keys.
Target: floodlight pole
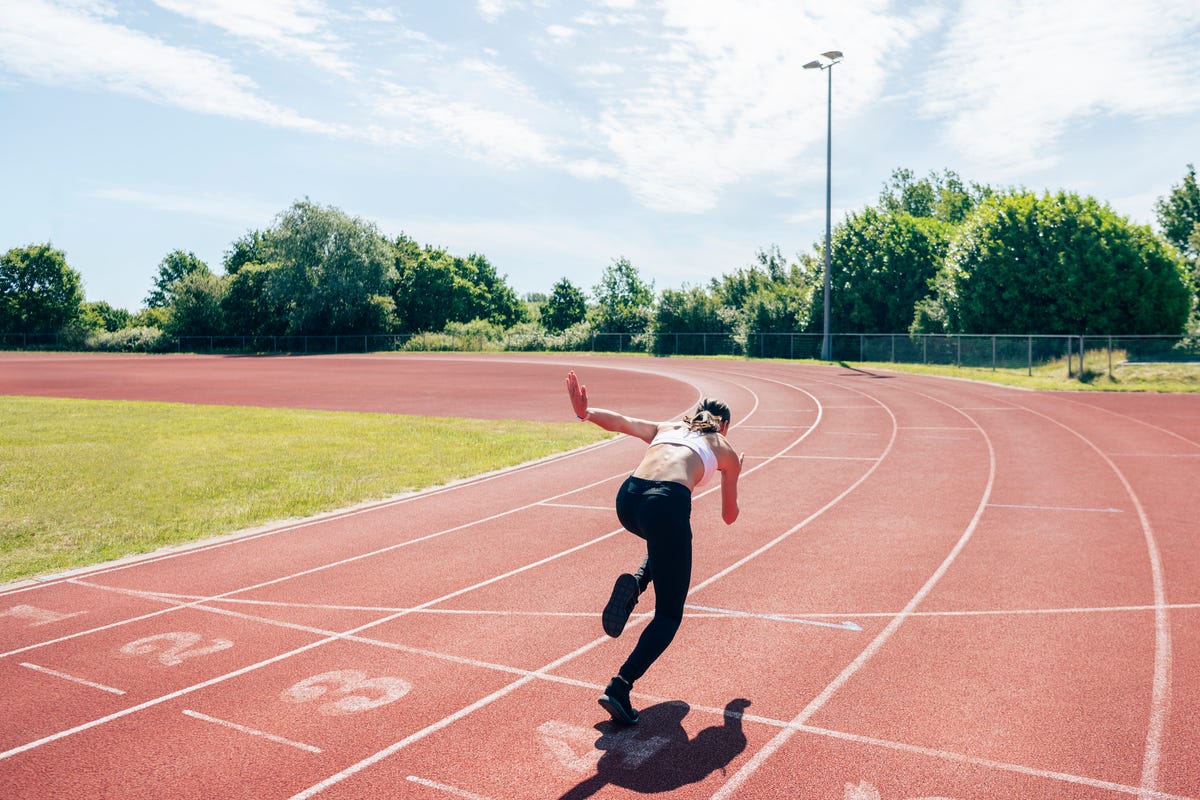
{"x": 834, "y": 56}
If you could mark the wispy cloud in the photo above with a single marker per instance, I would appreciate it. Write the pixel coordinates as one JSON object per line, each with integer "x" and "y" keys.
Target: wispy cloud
{"x": 492, "y": 10}
{"x": 78, "y": 47}
{"x": 417, "y": 117}
{"x": 1013, "y": 76}
{"x": 250, "y": 212}
{"x": 285, "y": 28}
{"x": 713, "y": 97}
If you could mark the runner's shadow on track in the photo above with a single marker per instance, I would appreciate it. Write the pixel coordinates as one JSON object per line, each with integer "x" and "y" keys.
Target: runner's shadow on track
{"x": 862, "y": 373}
{"x": 656, "y": 755}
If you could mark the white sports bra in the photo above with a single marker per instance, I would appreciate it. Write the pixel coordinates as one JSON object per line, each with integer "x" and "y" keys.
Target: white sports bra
{"x": 695, "y": 441}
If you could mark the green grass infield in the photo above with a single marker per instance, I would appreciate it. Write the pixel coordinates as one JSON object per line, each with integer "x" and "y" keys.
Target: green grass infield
{"x": 87, "y": 481}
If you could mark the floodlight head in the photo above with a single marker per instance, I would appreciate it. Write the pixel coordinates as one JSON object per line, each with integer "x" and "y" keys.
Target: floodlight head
{"x": 813, "y": 65}
{"x": 833, "y": 55}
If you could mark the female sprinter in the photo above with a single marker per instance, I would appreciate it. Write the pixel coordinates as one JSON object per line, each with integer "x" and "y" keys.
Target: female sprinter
{"x": 655, "y": 504}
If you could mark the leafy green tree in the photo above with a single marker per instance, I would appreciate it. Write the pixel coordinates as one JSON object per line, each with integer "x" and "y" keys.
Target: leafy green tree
{"x": 434, "y": 288}
{"x": 39, "y": 292}
{"x": 101, "y": 316}
{"x": 1057, "y": 264}
{"x": 783, "y": 308}
{"x": 624, "y": 302}
{"x": 251, "y": 248}
{"x": 1179, "y": 214}
{"x": 882, "y": 263}
{"x": 686, "y": 310}
{"x": 566, "y": 306}
{"x": 492, "y": 298}
{"x": 197, "y": 307}
{"x": 426, "y": 291}
{"x": 175, "y": 265}
{"x": 769, "y": 296}
{"x": 734, "y": 289}
{"x": 1179, "y": 219}
{"x": 943, "y": 197}
{"x": 158, "y": 318}
{"x": 249, "y": 305}
{"x": 335, "y": 272}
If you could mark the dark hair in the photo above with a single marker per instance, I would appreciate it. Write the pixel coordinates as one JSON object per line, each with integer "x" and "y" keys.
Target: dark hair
{"x": 708, "y": 417}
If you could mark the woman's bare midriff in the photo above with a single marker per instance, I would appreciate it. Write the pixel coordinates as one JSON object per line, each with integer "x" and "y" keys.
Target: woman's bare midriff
{"x": 670, "y": 462}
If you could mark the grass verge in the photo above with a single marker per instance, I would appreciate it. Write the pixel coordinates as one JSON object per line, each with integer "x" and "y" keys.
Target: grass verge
{"x": 1052, "y": 376}
{"x": 85, "y": 481}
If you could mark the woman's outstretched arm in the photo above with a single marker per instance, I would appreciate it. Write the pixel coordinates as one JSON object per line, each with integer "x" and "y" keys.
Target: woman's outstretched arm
{"x": 607, "y": 419}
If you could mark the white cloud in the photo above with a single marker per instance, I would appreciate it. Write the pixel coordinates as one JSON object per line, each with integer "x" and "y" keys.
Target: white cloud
{"x": 561, "y": 33}
{"x": 1014, "y": 76}
{"x": 285, "y": 28}
{"x": 227, "y": 208}
{"x": 59, "y": 46}
{"x": 492, "y": 10}
{"x": 711, "y": 98}
{"x": 429, "y": 118}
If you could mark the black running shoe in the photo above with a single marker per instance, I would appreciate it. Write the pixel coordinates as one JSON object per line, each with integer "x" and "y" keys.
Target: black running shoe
{"x": 615, "y": 701}
{"x": 620, "y": 605}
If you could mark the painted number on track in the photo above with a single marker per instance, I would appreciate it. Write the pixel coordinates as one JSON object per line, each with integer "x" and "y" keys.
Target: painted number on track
{"x": 175, "y": 647}
{"x": 37, "y": 616}
{"x": 867, "y": 791}
{"x": 348, "y": 691}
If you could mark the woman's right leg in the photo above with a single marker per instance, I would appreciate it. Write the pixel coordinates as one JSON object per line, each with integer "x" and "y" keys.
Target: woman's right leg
{"x": 666, "y": 520}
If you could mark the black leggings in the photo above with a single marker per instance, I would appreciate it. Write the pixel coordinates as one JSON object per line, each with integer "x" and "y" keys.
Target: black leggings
{"x": 659, "y": 512}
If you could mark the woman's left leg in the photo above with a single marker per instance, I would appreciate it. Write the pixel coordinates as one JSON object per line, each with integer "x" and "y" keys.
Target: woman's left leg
{"x": 669, "y": 545}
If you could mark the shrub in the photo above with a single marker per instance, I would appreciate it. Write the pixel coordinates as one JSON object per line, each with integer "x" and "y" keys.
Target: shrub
{"x": 131, "y": 340}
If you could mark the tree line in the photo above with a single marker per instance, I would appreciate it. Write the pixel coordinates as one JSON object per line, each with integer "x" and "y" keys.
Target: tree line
{"x": 933, "y": 254}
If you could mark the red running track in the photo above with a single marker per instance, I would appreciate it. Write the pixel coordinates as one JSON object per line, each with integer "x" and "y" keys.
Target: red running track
{"x": 937, "y": 589}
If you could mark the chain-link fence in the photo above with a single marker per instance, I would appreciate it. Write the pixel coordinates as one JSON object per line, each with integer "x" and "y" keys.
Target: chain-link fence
{"x": 1094, "y": 354}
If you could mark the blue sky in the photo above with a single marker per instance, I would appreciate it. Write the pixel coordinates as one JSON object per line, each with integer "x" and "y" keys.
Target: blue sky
{"x": 554, "y": 137}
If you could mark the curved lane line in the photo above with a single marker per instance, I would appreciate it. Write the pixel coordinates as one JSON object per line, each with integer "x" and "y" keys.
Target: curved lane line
{"x": 305, "y": 648}
{"x": 759, "y": 758}
{"x": 1160, "y": 693}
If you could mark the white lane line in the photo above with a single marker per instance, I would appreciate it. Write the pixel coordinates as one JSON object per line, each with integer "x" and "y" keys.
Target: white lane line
{"x": 72, "y": 678}
{"x": 987, "y": 763}
{"x": 905, "y": 747}
{"x": 760, "y": 757}
{"x": 319, "y": 568}
{"x": 441, "y": 787}
{"x": 296, "y": 651}
{"x": 817, "y": 458}
{"x": 1057, "y": 508}
{"x": 338, "y": 637}
{"x": 845, "y": 625}
{"x": 772, "y": 427}
{"x": 936, "y": 428}
{"x": 444, "y": 722}
{"x": 942, "y": 438}
{"x": 540, "y": 673}
{"x": 1160, "y": 691}
{"x": 1155, "y": 455}
{"x": 251, "y": 731}
{"x": 607, "y": 509}
{"x": 235, "y": 538}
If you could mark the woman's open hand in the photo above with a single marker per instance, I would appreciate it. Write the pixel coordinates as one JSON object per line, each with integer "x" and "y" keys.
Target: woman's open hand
{"x": 578, "y": 395}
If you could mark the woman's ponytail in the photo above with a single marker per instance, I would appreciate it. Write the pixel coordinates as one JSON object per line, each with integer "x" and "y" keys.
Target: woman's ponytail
{"x": 709, "y": 416}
